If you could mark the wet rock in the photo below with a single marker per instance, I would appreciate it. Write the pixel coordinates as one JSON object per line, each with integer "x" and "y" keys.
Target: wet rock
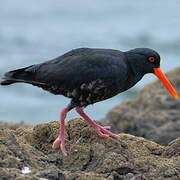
{"x": 153, "y": 114}
{"x": 90, "y": 157}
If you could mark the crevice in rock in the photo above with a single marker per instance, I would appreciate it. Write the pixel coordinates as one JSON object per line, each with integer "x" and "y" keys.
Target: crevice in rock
{"x": 91, "y": 155}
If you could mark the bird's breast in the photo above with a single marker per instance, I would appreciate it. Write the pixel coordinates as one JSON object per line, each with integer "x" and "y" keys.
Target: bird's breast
{"x": 89, "y": 93}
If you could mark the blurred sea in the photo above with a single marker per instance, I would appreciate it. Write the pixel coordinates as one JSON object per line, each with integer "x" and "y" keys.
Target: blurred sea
{"x": 34, "y": 31}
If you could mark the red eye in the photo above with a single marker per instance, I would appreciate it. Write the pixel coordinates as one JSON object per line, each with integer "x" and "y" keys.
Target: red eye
{"x": 151, "y": 59}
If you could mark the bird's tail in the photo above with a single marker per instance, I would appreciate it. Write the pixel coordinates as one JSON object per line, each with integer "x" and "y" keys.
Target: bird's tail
{"x": 25, "y": 75}
{"x": 18, "y": 75}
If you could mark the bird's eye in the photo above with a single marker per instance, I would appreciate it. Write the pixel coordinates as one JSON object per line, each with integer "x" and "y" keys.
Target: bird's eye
{"x": 151, "y": 59}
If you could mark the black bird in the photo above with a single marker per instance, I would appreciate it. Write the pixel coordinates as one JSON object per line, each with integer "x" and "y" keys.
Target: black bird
{"x": 88, "y": 76}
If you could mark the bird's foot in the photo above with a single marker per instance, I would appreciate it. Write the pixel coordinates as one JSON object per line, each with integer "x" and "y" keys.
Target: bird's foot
{"x": 103, "y": 131}
{"x": 59, "y": 143}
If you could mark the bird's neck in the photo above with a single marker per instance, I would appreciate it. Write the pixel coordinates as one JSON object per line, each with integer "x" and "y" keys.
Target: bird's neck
{"x": 135, "y": 66}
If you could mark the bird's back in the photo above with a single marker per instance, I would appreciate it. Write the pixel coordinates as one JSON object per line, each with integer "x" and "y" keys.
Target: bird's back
{"x": 84, "y": 73}
{"x": 80, "y": 66}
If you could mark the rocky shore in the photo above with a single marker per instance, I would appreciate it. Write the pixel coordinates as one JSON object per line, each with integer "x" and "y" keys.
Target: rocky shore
{"x": 152, "y": 114}
{"x": 26, "y": 153}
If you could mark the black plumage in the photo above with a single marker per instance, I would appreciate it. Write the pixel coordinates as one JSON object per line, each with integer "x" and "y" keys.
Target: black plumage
{"x": 85, "y": 75}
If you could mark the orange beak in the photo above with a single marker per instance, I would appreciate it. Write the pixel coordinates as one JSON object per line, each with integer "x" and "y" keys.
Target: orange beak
{"x": 158, "y": 72}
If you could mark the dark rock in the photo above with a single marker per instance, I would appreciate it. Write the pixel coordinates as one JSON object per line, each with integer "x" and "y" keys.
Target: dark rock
{"x": 90, "y": 157}
{"x": 153, "y": 114}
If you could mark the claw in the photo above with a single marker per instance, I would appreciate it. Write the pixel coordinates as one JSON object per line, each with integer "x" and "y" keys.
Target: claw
{"x": 56, "y": 143}
{"x": 59, "y": 144}
{"x": 63, "y": 149}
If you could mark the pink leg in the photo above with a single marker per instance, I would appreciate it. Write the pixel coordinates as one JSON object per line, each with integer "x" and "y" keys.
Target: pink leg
{"x": 102, "y": 131}
{"x": 59, "y": 142}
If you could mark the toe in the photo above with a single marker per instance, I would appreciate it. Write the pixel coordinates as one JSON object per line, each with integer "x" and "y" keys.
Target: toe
{"x": 56, "y": 143}
{"x": 105, "y": 131}
{"x": 115, "y": 136}
{"x": 101, "y": 134}
{"x": 63, "y": 150}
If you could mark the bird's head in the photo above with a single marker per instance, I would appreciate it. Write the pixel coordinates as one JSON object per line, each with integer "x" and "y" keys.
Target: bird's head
{"x": 145, "y": 60}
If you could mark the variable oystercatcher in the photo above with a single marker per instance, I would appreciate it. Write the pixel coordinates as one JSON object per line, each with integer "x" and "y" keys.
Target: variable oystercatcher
{"x": 88, "y": 76}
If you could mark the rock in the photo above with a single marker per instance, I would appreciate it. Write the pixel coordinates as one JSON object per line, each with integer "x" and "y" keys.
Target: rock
{"x": 14, "y": 126}
{"x": 26, "y": 154}
{"x": 153, "y": 114}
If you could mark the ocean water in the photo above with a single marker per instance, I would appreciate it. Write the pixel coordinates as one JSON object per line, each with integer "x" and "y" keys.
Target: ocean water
{"x": 34, "y": 31}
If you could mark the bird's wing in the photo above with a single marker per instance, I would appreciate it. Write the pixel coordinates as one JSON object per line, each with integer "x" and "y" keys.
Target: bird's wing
{"x": 72, "y": 71}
